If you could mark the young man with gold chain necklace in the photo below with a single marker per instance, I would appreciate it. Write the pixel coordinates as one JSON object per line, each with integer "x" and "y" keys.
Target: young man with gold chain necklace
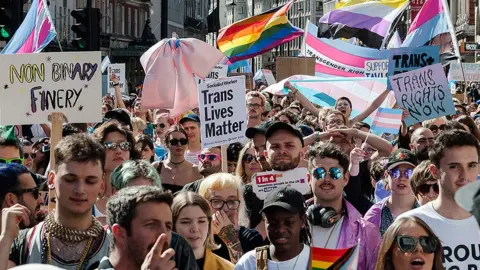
{"x": 70, "y": 237}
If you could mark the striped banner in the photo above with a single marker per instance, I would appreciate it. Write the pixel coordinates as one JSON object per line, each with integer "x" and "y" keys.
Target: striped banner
{"x": 387, "y": 120}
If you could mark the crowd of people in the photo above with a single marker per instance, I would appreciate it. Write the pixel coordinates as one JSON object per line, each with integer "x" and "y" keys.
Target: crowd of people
{"x": 138, "y": 191}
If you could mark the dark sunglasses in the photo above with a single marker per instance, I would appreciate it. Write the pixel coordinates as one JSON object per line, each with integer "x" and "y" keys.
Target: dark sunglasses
{"x": 396, "y": 173}
{"x": 249, "y": 158}
{"x": 210, "y": 157}
{"x": 435, "y": 127}
{"x": 334, "y": 172}
{"x": 28, "y": 155}
{"x": 35, "y": 192}
{"x": 11, "y": 160}
{"x": 425, "y": 188}
{"x": 408, "y": 244}
{"x": 161, "y": 125}
{"x": 182, "y": 141}
{"x": 124, "y": 146}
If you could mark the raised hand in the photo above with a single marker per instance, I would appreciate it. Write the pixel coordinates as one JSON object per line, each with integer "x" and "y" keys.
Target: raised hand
{"x": 157, "y": 259}
{"x": 11, "y": 218}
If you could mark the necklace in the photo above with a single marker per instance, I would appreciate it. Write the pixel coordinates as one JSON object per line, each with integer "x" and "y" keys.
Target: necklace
{"x": 82, "y": 259}
{"x": 58, "y": 231}
{"x": 177, "y": 163}
{"x": 296, "y": 260}
{"x": 330, "y": 235}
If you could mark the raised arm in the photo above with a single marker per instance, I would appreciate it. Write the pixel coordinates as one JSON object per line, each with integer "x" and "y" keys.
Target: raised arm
{"x": 303, "y": 100}
{"x": 372, "y": 107}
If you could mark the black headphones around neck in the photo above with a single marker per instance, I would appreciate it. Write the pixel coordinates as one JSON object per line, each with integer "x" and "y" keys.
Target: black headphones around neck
{"x": 324, "y": 217}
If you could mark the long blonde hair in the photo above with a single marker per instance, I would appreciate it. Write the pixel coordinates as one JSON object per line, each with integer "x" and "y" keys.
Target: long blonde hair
{"x": 240, "y": 170}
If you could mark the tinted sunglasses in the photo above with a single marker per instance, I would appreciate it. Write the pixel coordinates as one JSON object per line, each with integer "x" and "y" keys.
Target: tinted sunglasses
{"x": 35, "y": 192}
{"x": 425, "y": 188}
{"x": 408, "y": 244}
{"x": 28, "y": 155}
{"x": 124, "y": 146}
{"x": 182, "y": 141}
{"x": 396, "y": 173}
{"x": 435, "y": 127}
{"x": 209, "y": 157}
{"x": 334, "y": 172}
{"x": 248, "y": 158}
{"x": 161, "y": 125}
{"x": 11, "y": 160}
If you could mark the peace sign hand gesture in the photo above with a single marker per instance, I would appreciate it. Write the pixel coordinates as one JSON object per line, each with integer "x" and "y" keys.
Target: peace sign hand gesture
{"x": 157, "y": 259}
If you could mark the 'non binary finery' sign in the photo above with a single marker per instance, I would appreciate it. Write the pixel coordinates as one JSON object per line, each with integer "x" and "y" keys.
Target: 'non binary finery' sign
{"x": 35, "y": 85}
{"x": 223, "y": 114}
{"x": 424, "y": 93}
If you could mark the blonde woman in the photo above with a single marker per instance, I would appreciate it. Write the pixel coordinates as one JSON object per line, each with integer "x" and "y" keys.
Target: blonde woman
{"x": 192, "y": 219}
{"x": 224, "y": 193}
{"x": 138, "y": 126}
{"x": 248, "y": 163}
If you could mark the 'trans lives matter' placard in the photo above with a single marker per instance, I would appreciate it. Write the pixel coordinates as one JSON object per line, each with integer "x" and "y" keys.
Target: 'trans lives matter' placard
{"x": 35, "y": 85}
{"x": 424, "y": 93}
{"x": 223, "y": 114}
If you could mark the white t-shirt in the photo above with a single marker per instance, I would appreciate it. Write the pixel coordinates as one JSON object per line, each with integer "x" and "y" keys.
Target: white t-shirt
{"x": 192, "y": 157}
{"x": 249, "y": 262}
{"x": 460, "y": 238}
{"x": 321, "y": 235}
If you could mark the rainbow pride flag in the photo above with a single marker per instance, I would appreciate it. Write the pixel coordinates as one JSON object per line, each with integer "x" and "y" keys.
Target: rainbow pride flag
{"x": 335, "y": 259}
{"x": 253, "y": 36}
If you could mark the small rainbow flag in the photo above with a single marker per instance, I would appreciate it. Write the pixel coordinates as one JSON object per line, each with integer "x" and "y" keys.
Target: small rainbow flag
{"x": 335, "y": 259}
{"x": 255, "y": 35}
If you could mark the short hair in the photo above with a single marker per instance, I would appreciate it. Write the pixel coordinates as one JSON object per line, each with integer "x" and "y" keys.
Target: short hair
{"x": 121, "y": 206}
{"x": 172, "y": 129}
{"x": 132, "y": 169}
{"x": 115, "y": 126}
{"x": 360, "y": 125}
{"x": 257, "y": 95}
{"x": 233, "y": 151}
{"x": 450, "y": 139}
{"x": 138, "y": 123}
{"x": 346, "y": 99}
{"x": 290, "y": 115}
{"x": 378, "y": 168}
{"x": 8, "y": 142}
{"x": 421, "y": 175}
{"x": 327, "y": 150}
{"x": 9, "y": 174}
{"x": 469, "y": 122}
{"x": 79, "y": 148}
{"x": 68, "y": 129}
{"x": 188, "y": 198}
{"x": 453, "y": 124}
{"x": 144, "y": 141}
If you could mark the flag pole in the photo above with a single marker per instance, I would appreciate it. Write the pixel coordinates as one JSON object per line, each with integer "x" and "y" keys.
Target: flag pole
{"x": 450, "y": 28}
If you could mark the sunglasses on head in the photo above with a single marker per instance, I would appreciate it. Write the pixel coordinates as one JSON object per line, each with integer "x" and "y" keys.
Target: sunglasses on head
{"x": 124, "y": 146}
{"x": 210, "y": 157}
{"x": 408, "y": 244}
{"x": 161, "y": 125}
{"x": 249, "y": 158}
{"x": 435, "y": 127}
{"x": 425, "y": 188}
{"x": 35, "y": 192}
{"x": 397, "y": 173}
{"x": 334, "y": 172}
{"x": 28, "y": 155}
{"x": 11, "y": 160}
{"x": 182, "y": 141}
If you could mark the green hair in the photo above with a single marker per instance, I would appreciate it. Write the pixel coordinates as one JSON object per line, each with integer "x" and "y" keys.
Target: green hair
{"x": 131, "y": 170}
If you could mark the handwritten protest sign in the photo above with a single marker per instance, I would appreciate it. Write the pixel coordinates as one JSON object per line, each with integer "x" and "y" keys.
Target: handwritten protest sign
{"x": 471, "y": 71}
{"x": 36, "y": 85}
{"x": 376, "y": 68}
{"x": 423, "y": 93}
{"x": 223, "y": 114}
{"x": 119, "y": 71}
{"x": 266, "y": 182}
{"x": 406, "y": 59}
{"x": 218, "y": 71}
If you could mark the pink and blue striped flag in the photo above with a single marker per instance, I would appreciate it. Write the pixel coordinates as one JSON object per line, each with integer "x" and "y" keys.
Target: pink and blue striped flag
{"x": 36, "y": 31}
{"x": 387, "y": 120}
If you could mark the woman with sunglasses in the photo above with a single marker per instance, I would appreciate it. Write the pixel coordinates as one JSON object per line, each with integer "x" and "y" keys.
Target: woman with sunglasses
{"x": 144, "y": 146}
{"x": 41, "y": 149}
{"x": 410, "y": 244}
{"x": 424, "y": 186}
{"x": 119, "y": 145}
{"x": 28, "y": 155}
{"x": 192, "y": 219}
{"x": 224, "y": 193}
{"x": 175, "y": 171}
{"x": 249, "y": 164}
{"x": 162, "y": 123}
{"x": 399, "y": 171}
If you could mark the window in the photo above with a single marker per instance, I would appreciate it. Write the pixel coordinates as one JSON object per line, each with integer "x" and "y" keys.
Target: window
{"x": 110, "y": 18}
{"x": 129, "y": 21}
{"x": 135, "y": 20}
{"x": 123, "y": 21}
{"x": 242, "y": 10}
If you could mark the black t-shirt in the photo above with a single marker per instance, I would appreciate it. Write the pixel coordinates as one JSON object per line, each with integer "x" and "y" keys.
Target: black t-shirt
{"x": 201, "y": 263}
{"x": 184, "y": 257}
{"x": 253, "y": 206}
{"x": 359, "y": 190}
{"x": 249, "y": 240}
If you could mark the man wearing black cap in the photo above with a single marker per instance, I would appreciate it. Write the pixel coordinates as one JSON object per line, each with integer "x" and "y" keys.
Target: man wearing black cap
{"x": 287, "y": 230}
{"x": 284, "y": 146}
{"x": 455, "y": 158}
{"x": 191, "y": 124}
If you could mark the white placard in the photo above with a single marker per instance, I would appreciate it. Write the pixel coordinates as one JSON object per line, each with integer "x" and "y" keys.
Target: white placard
{"x": 219, "y": 71}
{"x": 223, "y": 114}
{"x": 471, "y": 71}
{"x": 105, "y": 63}
{"x": 265, "y": 182}
{"x": 36, "y": 85}
{"x": 119, "y": 70}
{"x": 376, "y": 68}
{"x": 269, "y": 76}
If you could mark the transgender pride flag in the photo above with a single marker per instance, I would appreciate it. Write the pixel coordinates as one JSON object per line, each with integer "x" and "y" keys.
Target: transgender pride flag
{"x": 36, "y": 31}
{"x": 387, "y": 121}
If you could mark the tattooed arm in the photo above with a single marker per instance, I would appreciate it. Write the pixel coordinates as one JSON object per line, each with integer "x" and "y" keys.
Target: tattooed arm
{"x": 229, "y": 235}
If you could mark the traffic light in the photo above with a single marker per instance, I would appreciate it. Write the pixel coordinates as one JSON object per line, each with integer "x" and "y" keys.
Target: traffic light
{"x": 11, "y": 17}
{"x": 87, "y": 29}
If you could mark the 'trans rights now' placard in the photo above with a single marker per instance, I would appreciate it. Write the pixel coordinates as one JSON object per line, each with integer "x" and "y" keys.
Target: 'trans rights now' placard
{"x": 424, "y": 93}
{"x": 223, "y": 114}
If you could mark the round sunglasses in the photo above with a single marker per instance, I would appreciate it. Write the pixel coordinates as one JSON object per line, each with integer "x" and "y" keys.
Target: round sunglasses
{"x": 408, "y": 244}
{"x": 334, "y": 172}
{"x": 397, "y": 173}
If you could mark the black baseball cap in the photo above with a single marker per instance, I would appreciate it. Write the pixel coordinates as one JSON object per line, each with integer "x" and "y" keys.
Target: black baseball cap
{"x": 262, "y": 129}
{"x": 283, "y": 126}
{"x": 468, "y": 197}
{"x": 401, "y": 156}
{"x": 190, "y": 117}
{"x": 121, "y": 116}
{"x": 287, "y": 198}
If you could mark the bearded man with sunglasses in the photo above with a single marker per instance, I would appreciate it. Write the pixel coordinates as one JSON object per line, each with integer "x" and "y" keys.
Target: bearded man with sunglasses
{"x": 335, "y": 223}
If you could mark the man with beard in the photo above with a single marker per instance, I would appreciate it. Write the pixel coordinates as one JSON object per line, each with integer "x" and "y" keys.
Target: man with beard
{"x": 420, "y": 142}
{"x": 284, "y": 146}
{"x": 336, "y": 224}
{"x": 18, "y": 187}
{"x": 256, "y": 104}
{"x": 140, "y": 220}
{"x": 210, "y": 162}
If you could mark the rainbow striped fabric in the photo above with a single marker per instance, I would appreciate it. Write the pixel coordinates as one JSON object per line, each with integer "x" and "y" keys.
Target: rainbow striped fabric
{"x": 387, "y": 120}
{"x": 255, "y": 35}
{"x": 367, "y": 20}
{"x": 335, "y": 259}
{"x": 36, "y": 31}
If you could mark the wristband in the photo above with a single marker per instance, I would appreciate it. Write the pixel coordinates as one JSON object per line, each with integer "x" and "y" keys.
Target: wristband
{"x": 115, "y": 84}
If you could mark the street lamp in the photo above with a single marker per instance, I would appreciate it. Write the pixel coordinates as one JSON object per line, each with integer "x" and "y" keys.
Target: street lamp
{"x": 233, "y": 4}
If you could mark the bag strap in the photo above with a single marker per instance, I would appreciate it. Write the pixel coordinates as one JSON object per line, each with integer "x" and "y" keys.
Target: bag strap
{"x": 28, "y": 242}
{"x": 261, "y": 256}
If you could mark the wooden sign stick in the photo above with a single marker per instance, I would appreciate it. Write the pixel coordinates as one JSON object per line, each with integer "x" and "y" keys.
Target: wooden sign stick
{"x": 55, "y": 137}
{"x": 224, "y": 159}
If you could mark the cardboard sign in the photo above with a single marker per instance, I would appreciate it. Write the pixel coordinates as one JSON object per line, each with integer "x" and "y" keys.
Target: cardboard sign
{"x": 119, "y": 71}
{"x": 264, "y": 76}
{"x": 471, "y": 71}
{"x": 218, "y": 71}
{"x": 376, "y": 68}
{"x": 265, "y": 182}
{"x": 289, "y": 66}
{"x": 36, "y": 85}
{"x": 407, "y": 59}
{"x": 424, "y": 93}
{"x": 223, "y": 114}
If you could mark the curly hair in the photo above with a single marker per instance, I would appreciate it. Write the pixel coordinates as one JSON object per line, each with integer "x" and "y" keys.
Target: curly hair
{"x": 327, "y": 150}
{"x": 115, "y": 126}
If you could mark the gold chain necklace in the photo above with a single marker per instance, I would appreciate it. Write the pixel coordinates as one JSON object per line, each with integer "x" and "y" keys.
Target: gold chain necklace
{"x": 82, "y": 259}
{"x": 60, "y": 232}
